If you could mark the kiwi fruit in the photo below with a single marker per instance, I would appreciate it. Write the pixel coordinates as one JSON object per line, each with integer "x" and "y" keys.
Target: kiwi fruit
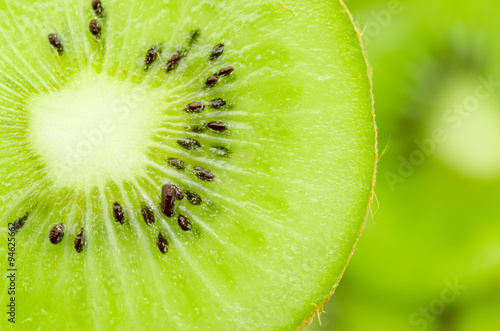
{"x": 180, "y": 164}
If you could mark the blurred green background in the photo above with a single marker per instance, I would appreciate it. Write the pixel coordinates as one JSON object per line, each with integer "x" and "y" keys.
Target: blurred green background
{"x": 429, "y": 258}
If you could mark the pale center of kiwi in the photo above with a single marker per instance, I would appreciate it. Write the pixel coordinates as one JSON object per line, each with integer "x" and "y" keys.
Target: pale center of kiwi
{"x": 92, "y": 129}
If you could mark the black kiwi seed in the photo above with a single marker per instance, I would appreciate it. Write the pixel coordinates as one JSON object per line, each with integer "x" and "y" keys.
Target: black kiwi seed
{"x": 56, "y": 43}
{"x": 176, "y": 163}
{"x": 217, "y": 51}
{"x": 147, "y": 214}
{"x": 97, "y": 7}
{"x": 204, "y": 174}
{"x": 220, "y": 151}
{"x": 95, "y": 28}
{"x": 57, "y": 234}
{"x": 226, "y": 71}
{"x": 173, "y": 62}
{"x": 194, "y": 198}
{"x": 178, "y": 192}
{"x": 118, "y": 213}
{"x": 19, "y": 223}
{"x": 168, "y": 197}
{"x": 217, "y": 126}
{"x": 217, "y": 103}
{"x": 212, "y": 81}
{"x": 188, "y": 143}
{"x": 151, "y": 56}
{"x": 184, "y": 223}
{"x": 193, "y": 36}
{"x": 79, "y": 242}
{"x": 162, "y": 243}
{"x": 194, "y": 107}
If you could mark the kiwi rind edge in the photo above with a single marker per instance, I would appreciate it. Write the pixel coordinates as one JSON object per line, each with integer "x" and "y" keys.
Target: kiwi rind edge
{"x": 319, "y": 308}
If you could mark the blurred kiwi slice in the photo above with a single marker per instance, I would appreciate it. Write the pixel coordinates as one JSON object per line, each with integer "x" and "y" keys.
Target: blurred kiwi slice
{"x": 181, "y": 164}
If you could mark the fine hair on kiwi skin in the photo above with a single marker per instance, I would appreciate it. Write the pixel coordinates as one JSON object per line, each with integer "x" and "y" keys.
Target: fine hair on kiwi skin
{"x": 180, "y": 185}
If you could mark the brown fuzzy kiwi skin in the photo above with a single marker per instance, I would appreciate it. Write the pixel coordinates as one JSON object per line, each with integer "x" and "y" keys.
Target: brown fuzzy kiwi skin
{"x": 321, "y": 305}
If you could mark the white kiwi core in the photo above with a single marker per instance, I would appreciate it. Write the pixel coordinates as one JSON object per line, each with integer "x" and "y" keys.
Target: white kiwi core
{"x": 93, "y": 129}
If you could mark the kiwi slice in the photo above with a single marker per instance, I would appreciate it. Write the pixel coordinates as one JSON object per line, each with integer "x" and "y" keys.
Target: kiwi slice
{"x": 181, "y": 164}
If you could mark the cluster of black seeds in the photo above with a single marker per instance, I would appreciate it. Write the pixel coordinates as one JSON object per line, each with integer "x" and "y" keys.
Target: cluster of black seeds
{"x": 213, "y": 80}
{"x": 202, "y": 173}
{"x": 198, "y": 106}
{"x": 171, "y": 194}
{"x": 95, "y": 25}
{"x": 173, "y": 61}
{"x": 217, "y": 127}
{"x": 56, "y": 234}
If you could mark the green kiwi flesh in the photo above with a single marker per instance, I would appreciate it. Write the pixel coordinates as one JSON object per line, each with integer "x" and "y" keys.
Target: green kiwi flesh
{"x": 180, "y": 164}
{"x": 423, "y": 69}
